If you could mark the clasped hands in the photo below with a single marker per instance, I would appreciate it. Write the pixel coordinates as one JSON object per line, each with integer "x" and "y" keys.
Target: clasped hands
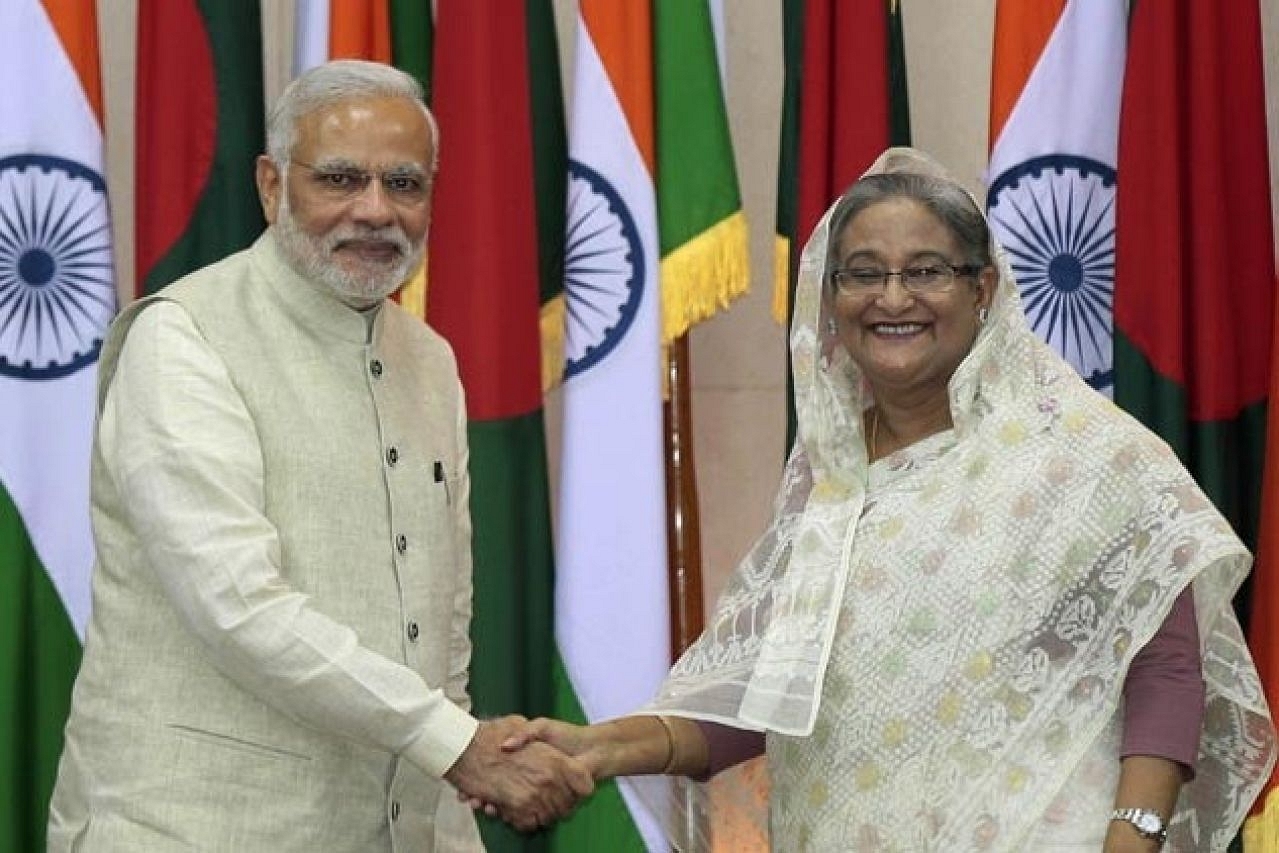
{"x": 529, "y": 774}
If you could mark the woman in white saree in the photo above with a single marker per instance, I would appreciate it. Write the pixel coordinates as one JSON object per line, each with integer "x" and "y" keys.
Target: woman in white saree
{"x": 969, "y": 549}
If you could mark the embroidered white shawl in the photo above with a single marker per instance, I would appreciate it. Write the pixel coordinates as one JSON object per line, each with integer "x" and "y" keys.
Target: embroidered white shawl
{"x": 1064, "y": 531}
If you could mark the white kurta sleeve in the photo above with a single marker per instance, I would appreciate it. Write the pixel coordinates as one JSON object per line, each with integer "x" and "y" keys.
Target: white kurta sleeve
{"x": 182, "y": 450}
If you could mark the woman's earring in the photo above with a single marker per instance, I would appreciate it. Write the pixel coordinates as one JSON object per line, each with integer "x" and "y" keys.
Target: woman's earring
{"x": 831, "y": 328}
{"x": 982, "y": 313}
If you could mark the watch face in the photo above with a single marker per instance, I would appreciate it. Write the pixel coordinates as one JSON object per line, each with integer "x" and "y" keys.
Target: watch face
{"x": 1149, "y": 823}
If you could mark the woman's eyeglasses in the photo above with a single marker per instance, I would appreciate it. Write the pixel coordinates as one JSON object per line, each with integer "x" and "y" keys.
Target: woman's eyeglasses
{"x": 921, "y": 280}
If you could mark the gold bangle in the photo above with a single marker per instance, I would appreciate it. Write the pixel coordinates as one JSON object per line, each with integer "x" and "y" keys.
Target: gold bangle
{"x": 670, "y": 745}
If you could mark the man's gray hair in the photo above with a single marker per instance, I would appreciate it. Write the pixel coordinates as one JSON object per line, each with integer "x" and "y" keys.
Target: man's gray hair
{"x": 332, "y": 83}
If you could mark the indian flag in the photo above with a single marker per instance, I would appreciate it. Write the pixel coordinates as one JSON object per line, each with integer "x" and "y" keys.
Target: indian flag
{"x": 611, "y": 605}
{"x": 1054, "y": 124}
{"x": 57, "y": 295}
{"x": 646, "y": 257}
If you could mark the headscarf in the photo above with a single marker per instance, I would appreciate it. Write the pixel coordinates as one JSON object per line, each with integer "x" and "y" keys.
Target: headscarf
{"x": 1083, "y": 530}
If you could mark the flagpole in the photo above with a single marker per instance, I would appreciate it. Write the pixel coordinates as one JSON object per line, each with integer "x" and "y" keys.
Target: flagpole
{"x": 683, "y": 526}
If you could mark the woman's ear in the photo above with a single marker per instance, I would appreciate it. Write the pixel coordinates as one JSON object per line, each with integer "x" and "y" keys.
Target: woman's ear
{"x": 987, "y": 281}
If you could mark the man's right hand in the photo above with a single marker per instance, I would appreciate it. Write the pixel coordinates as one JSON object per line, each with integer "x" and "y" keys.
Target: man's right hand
{"x": 530, "y": 788}
{"x": 585, "y": 743}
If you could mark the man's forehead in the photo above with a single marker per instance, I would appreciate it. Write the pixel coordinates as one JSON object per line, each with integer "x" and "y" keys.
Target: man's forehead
{"x": 338, "y": 129}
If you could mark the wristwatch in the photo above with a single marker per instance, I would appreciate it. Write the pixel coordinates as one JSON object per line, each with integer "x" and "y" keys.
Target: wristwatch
{"x": 1149, "y": 824}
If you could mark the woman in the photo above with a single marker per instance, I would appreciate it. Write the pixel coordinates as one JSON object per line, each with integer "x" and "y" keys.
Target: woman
{"x": 946, "y": 633}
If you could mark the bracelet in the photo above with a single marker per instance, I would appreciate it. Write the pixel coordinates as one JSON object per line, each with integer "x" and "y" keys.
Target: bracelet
{"x": 670, "y": 745}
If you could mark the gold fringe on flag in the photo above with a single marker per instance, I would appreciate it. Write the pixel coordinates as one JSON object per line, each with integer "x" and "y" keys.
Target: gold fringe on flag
{"x": 552, "y": 326}
{"x": 781, "y": 278}
{"x": 703, "y": 275}
{"x": 1261, "y": 830}
{"x": 413, "y": 293}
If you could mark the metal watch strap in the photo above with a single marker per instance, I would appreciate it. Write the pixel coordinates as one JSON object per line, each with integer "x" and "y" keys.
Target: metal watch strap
{"x": 1147, "y": 822}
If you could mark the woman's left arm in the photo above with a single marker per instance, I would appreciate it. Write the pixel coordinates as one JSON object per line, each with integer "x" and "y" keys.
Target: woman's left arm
{"x": 1163, "y": 716}
{"x": 1145, "y": 782}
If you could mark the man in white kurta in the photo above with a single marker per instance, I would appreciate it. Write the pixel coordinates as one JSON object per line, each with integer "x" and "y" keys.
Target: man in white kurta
{"x": 278, "y": 651}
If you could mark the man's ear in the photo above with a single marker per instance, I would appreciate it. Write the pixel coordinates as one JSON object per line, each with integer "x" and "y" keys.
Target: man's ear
{"x": 270, "y": 185}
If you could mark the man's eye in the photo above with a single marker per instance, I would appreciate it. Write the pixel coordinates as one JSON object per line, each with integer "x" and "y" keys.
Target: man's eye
{"x": 404, "y": 184}
{"x": 339, "y": 180}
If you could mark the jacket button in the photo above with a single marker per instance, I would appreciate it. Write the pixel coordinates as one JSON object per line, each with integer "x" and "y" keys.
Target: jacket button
{"x": 392, "y": 456}
{"x": 401, "y": 543}
{"x": 375, "y": 367}
{"x": 413, "y": 632}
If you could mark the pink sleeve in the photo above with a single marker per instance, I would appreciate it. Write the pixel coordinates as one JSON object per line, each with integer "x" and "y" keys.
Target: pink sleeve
{"x": 727, "y": 746}
{"x": 1164, "y": 691}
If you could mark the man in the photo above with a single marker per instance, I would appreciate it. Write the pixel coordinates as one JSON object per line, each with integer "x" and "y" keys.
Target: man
{"x": 278, "y": 650}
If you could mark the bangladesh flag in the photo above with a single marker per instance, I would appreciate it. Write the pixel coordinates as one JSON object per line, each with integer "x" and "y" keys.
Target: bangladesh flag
{"x": 826, "y": 145}
{"x": 1195, "y": 274}
{"x": 1194, "y": 278}
{"x": 495, "y": 247}
{"x": 199, "y": 130}
{"x": 492, "y": 78}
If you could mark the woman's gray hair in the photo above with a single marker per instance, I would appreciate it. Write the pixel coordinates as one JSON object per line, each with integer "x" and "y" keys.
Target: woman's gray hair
{"x": 948, "y": 201}
{"x": 332, "y": 83}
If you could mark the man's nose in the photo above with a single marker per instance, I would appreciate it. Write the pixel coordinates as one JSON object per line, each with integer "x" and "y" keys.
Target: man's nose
{"x": 372, "y": 204}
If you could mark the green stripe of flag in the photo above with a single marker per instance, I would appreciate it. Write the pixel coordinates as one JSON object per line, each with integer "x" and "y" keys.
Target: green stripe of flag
{"x": 788, "y": 155}
{"x": 898, "y": 96}
{"x": 696, "y": 175}
{"x": 511, "y": 629}
{"x": 1221, "y": 454}
{"x": 413, "y": 39}
{"x": 39, "y": 656}
{"x": 512, "y": 624}
{"x": 702, "y": 233}
{"x": 550, "y": 145}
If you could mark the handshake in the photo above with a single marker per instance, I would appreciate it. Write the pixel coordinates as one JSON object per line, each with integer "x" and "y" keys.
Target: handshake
{"x": 530, "y": 774}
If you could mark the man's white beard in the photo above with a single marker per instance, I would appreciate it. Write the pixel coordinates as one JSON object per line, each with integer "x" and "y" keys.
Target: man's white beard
{"x": 312, "y": 258}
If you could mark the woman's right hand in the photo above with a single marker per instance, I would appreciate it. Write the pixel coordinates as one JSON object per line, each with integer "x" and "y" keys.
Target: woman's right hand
{"x": 639, "y": 744}
{"x": 586, "y": 743}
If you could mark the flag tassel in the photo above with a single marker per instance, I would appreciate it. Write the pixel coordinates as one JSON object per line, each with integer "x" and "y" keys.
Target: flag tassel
{"x": 704, "y": 275}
